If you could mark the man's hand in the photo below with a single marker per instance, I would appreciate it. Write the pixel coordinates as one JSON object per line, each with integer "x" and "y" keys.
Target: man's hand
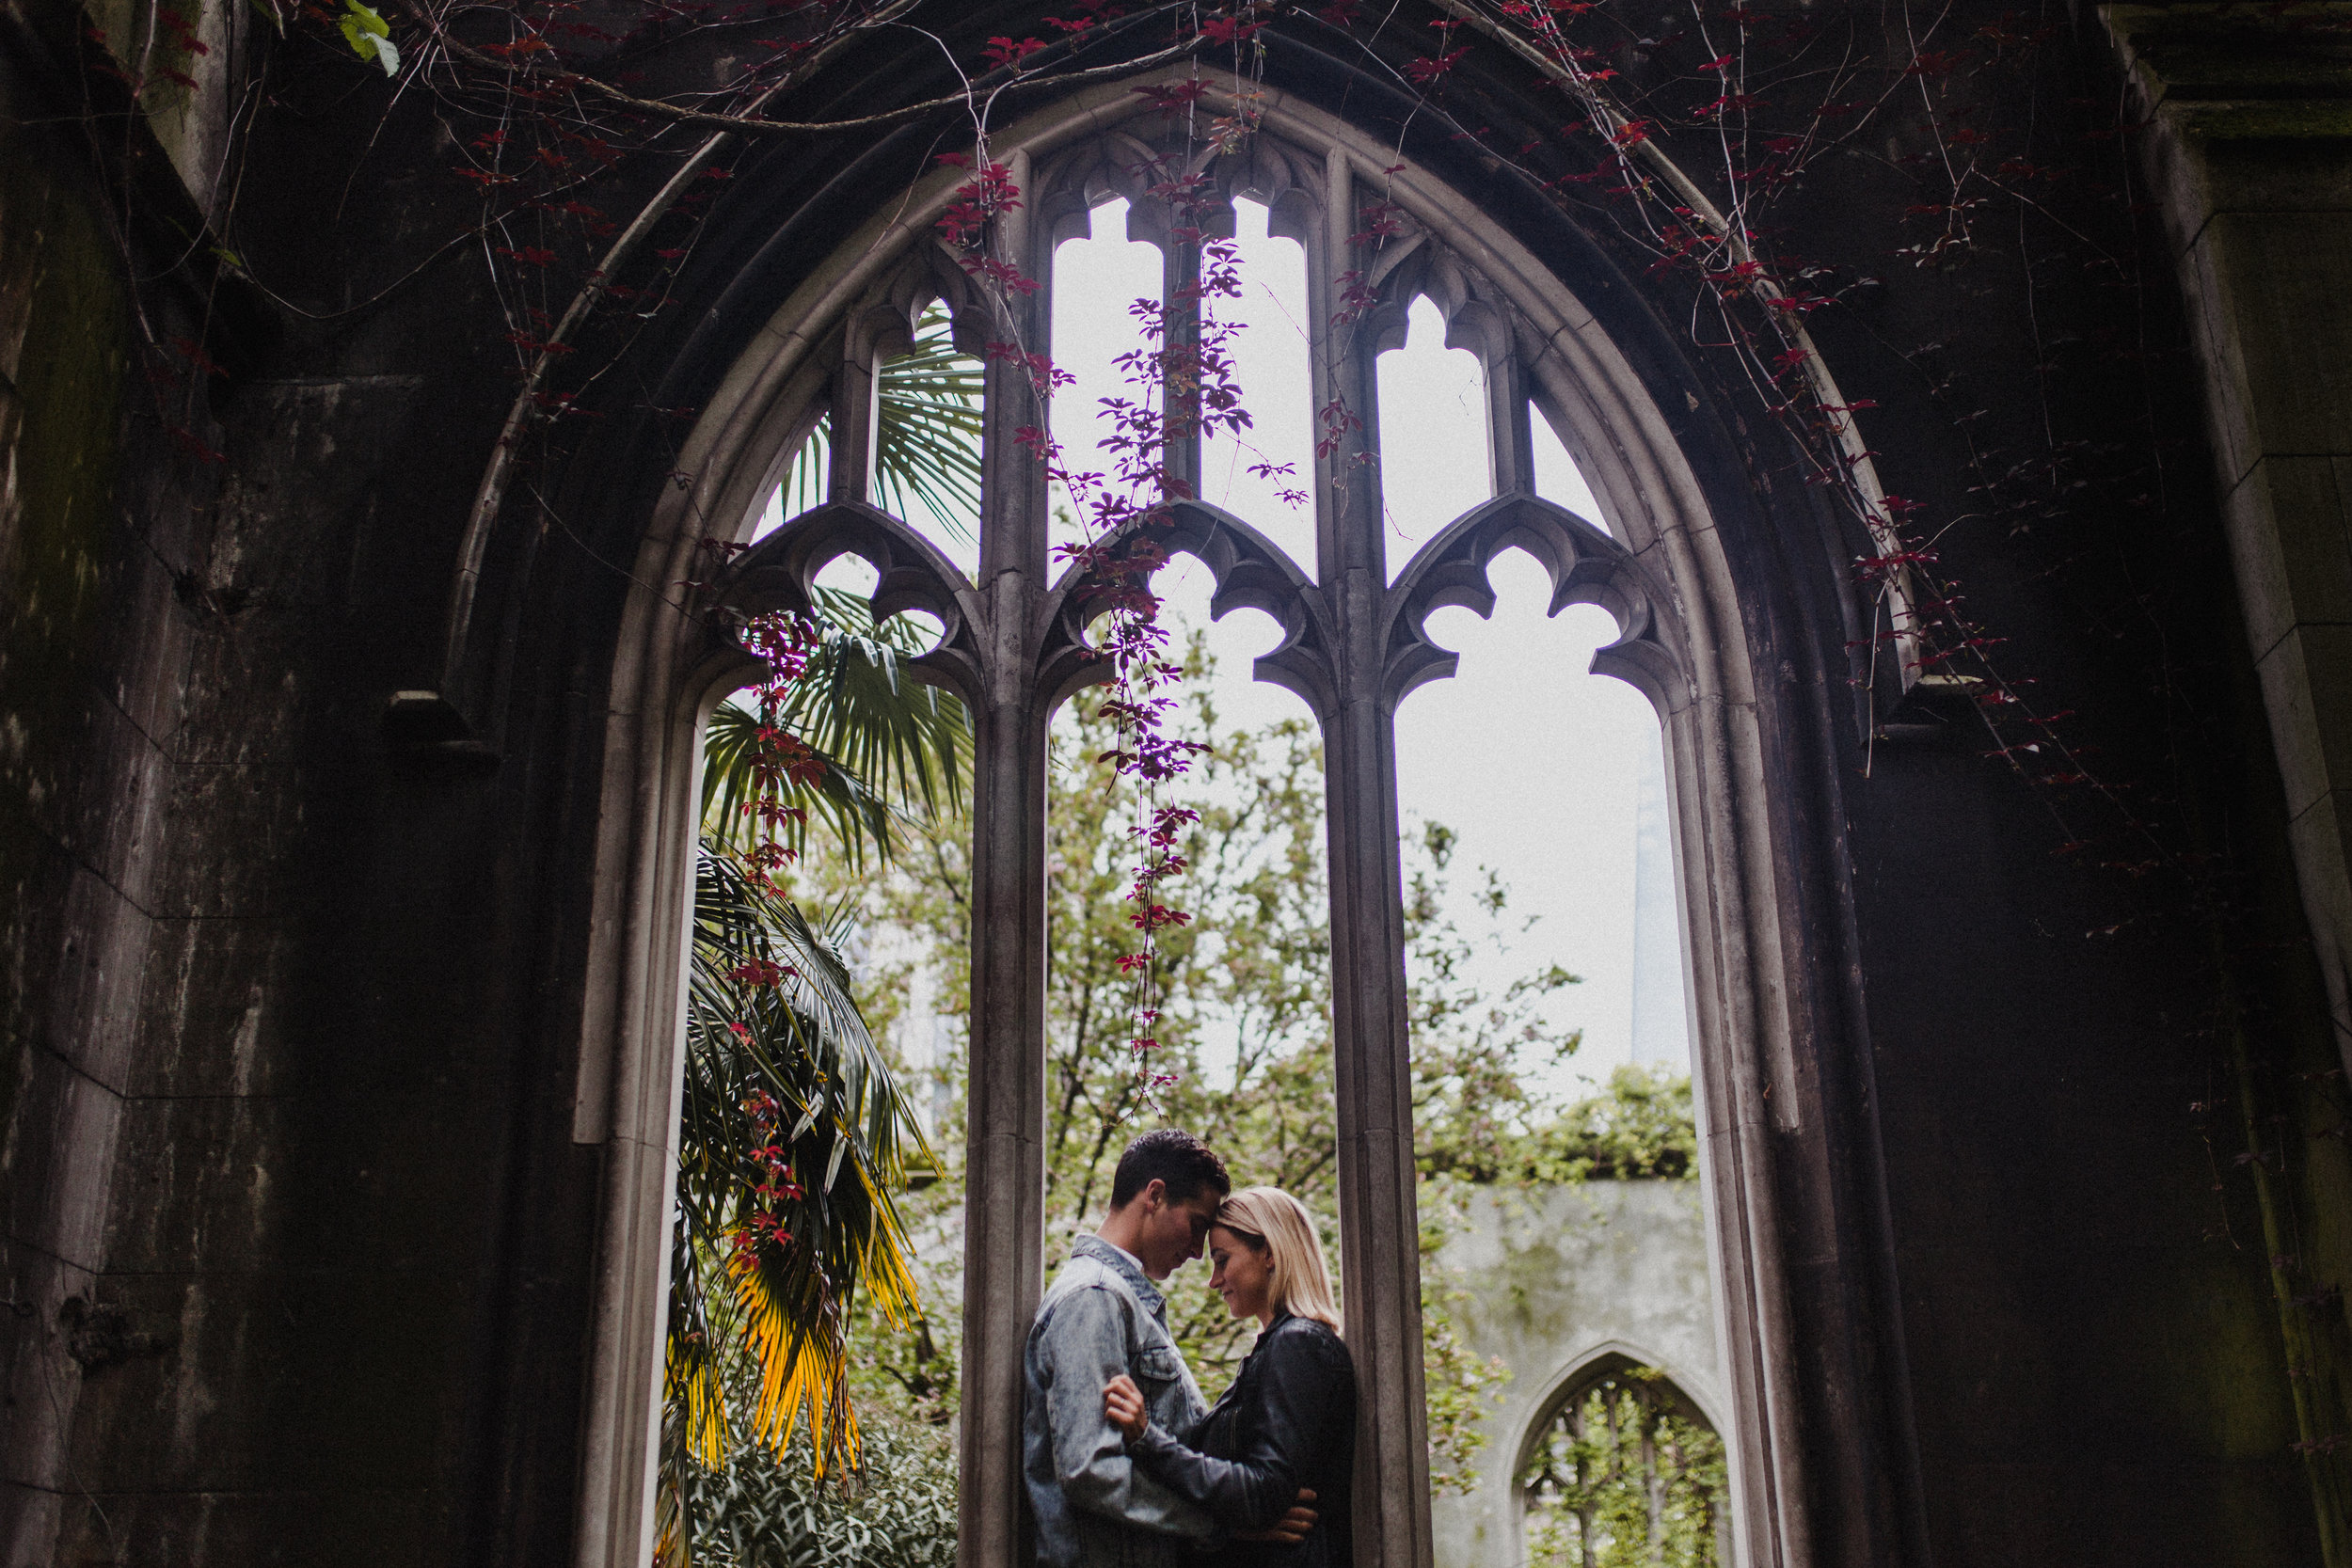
{"x": 1292, "y": 1527}
{"x": 1122, "y": 1405}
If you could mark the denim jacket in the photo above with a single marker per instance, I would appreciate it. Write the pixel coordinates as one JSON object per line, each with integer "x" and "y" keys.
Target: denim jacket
{"x": 1099, "y": 1318}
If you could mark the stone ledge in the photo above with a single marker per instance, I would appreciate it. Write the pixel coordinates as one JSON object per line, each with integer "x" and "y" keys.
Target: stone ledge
{"x": 2215, "y": 53}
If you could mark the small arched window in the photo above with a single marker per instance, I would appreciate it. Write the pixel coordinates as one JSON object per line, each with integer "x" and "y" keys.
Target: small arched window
{"x": 1626, "y": 1473}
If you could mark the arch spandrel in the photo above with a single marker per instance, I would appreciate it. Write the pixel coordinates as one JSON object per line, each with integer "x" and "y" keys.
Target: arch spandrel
{"x": 780, "y": 574}
{"x": 1248, "y": 571}
{"x": 1684, "y": 620}
{"x": 1583, "y": 565}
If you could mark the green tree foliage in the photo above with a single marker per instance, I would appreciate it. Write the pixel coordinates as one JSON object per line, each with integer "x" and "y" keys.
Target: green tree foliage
{"x": 1246, "y": 1007}
{"x": 1641, "y": 1127}
{"x": 1474, "y": 1057}
{"x": 1626, "y": 1475}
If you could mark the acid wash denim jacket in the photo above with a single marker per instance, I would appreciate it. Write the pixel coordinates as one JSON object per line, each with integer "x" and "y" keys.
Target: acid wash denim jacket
{"x": 1099, "y": 1318}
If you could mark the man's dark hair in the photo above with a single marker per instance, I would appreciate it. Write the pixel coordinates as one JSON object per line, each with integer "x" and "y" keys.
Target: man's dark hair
{"x": 1173, "y": 1157}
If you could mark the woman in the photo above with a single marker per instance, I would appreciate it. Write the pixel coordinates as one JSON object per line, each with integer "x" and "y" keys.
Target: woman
{"x": 1288, "y": 1423}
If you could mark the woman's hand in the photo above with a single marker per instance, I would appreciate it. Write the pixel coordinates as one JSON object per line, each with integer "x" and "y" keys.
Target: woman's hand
{"x": 1292, "y": 1527}
{"x": 1122, "y": 1405}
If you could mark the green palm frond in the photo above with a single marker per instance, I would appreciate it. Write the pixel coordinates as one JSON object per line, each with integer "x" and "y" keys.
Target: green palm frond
{"x": 926, "y": 436}
{"x": 890, "y": 745}
{"x": 927, "y": 433}
{"x": 839, "y": 800}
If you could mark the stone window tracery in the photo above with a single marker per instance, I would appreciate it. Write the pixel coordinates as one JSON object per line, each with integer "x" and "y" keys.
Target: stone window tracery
{"x": 1014, "y": 643}
{"x": 1624, "y": 1472}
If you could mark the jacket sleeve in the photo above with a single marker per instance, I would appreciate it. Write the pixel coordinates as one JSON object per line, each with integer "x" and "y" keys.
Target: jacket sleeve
{"x": 1083, "y": 1346}
{"x": 1254, "y": 1489}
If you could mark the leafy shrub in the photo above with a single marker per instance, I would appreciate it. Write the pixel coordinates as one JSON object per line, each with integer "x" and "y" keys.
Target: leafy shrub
{"x": 767, "y": 1510}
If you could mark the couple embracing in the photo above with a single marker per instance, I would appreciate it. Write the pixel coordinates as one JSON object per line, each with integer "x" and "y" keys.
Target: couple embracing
{"x": 1126, "y": 1467}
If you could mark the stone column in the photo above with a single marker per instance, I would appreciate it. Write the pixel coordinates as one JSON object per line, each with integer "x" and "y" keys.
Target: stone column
{"x": 1379, "y": 1220}
{"x": 1004, "y": 1268}
{"x": 2248, "y": 142}
{"x": 1180, "y": 394}
{"x": 854, "y": 409}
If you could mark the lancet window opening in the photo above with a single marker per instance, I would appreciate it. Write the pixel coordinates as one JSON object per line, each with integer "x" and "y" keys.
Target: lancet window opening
{"x": 1013, "y": 645}
{"x": 1623, "y": 1470}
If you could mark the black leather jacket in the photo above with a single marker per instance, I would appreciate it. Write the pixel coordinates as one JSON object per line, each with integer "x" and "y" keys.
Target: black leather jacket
{"x": 1288, "y": 1421}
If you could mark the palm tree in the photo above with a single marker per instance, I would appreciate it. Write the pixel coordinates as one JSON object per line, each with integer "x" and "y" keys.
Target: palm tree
{"x": 793, "y": 1138}
{"x": 795, "y": 1134}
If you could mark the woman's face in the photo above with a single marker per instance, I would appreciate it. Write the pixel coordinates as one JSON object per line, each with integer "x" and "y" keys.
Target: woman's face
{"x": 1244, "y": 1274}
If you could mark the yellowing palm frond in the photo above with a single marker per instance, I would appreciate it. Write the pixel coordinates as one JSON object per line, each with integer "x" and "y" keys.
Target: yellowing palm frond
{"x": 785, "y": 1090}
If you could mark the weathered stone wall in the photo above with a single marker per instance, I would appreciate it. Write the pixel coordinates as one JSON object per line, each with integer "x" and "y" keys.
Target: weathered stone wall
{"x": 93, "y": 662}
{"x": 299, "y": 1245}
{"x": 1550, "y": 1280}
{"x": 247, "y": 1232}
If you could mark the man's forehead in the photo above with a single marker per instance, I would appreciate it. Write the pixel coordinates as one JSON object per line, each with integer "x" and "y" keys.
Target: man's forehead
{"x": 1203, "y": 1205}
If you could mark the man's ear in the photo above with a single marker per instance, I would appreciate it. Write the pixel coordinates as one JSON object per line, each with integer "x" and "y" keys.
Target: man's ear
{"x": 1155, "y": 1196}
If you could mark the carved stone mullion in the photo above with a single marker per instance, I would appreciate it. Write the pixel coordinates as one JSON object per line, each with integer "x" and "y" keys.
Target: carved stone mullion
{"x": 1180, "y": 395}
{"x": 1379, "y": 1223}
{"x": 1012, "y": 475}
{"x": 1003, "y": 1239}
{"x": 1510, "y": 432}
{"x": 1348, "y": 533}
{"x": 854, "y": 417}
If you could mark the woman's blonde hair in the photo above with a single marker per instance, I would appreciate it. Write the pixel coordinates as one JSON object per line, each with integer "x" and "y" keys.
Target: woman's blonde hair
{"x": 1273, "y": 1221}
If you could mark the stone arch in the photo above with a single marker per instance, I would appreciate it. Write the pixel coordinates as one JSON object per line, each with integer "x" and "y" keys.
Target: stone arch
{"x": 1680, "y": 1392}
{"x": 1588, "y": 1367}
{"x": 1667, "y": 574}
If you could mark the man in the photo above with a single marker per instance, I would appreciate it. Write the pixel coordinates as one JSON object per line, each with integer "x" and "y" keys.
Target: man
{"x": 1104, "y": 1316}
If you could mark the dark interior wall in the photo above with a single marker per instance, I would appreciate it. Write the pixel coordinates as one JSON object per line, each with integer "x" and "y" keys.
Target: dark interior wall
{"x": 298, "y": 1245}
{"x": 262, "y": 994}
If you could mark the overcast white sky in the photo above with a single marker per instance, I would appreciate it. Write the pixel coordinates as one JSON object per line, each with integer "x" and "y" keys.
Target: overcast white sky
{"x": 1533, "y": 761}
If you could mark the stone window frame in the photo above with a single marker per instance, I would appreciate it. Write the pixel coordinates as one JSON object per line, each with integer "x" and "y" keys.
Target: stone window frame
{"x": 1570, "y": 1383}
{"x": 1661, "y": 570}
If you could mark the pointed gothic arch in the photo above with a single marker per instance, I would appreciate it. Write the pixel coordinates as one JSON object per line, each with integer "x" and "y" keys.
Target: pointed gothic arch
{"x": 1012, "y": 645}
{"x": 1661, "y": 1389}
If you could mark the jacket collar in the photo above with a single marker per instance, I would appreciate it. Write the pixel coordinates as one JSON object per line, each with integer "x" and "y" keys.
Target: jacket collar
{"x": 1120, "y": 1264}
{"x": 1281, "y": 1316}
